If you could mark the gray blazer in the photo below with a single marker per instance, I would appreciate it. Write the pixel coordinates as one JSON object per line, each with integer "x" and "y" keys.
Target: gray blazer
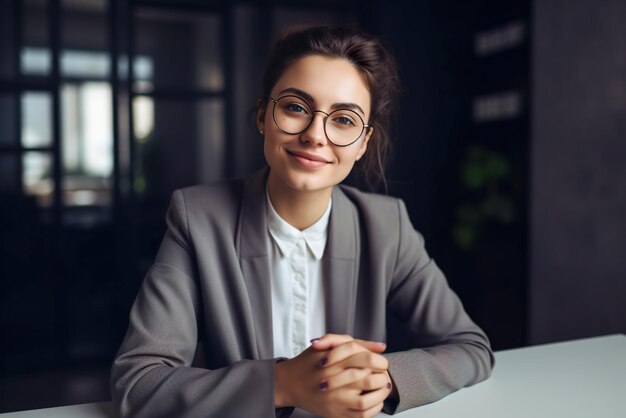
{"x": 209, "y": 288}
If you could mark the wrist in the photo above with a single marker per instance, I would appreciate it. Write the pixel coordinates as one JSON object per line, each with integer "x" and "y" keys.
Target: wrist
{"x": 281, "y": 396}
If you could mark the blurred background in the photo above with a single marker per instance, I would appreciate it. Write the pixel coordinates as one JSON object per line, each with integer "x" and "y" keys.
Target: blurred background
{"x": 510, "y": 153}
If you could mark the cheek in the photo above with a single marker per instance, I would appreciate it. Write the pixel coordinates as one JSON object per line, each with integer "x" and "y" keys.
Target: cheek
{"x": 272, "y": 146}
{"x": 347, "y": 156}
{"x": 269, "y": 120}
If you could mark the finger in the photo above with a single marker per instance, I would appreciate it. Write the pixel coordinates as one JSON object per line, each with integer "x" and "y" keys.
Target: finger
{"x": 344, "y": 378}
{"x": 372, "y": 381}
{"x": 369, "y": 399}
{"x": 342, "y": 352}
{"x": 365, "y": 359}
{"x": 368, "y": 413}
{"x": 330, "y": 341}
{"x": 359, "y": 355}
{"x": 375, "y": 346}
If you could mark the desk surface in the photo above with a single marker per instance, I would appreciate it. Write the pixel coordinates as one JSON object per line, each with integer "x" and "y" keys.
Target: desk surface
{"x": 574, "y": 379}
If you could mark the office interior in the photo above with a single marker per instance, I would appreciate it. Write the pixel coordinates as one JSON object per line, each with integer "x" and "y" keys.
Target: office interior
{"x": 509, "y": 151}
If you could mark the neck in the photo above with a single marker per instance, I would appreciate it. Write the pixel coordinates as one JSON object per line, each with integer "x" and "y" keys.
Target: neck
{"x": 300, "y": 209}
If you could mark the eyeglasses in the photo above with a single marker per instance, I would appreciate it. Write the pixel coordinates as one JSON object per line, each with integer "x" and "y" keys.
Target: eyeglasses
{"x": 293, "y": 115}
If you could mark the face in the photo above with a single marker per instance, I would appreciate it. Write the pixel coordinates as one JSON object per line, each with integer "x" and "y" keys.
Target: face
{"x": 308, "y": 161}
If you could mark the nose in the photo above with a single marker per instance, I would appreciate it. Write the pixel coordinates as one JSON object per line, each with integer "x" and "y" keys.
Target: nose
{"x": 315, "y": 134}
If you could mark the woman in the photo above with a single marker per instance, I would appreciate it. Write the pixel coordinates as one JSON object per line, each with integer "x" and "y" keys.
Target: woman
{"x": 252, "y": 270}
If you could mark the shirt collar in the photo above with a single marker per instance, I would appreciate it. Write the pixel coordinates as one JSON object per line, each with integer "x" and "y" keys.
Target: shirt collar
{"x": 286, "y": 236}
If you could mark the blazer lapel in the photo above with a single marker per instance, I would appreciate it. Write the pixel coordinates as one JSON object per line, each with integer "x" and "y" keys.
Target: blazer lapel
{"x": 341, "y": 261}
{"x": 341, "y": 267}
{"x": 254, "y": 258}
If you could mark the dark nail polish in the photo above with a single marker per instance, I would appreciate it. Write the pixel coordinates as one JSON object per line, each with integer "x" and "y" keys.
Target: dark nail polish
{"x": 388, "y": 385}
{"x": 324, "y": 386}
{"x": 323, "y": 361}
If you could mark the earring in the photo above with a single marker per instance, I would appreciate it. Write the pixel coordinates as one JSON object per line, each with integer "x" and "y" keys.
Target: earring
{"x": 261, "y": 131}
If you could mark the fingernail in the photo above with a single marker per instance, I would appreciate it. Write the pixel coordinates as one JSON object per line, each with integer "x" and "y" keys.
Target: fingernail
{"x": 324, "y": 386}
{"x": 314, "y": 340}
{"x": 380, "y": 343}
{"x": 323, "y": 361}
{"x": 388, "y": 385}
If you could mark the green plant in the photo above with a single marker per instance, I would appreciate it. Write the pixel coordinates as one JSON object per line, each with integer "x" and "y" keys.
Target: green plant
{"x": 485, "y": 176}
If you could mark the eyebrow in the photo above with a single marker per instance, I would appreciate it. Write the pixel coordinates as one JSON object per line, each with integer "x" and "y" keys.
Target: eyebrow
{"x": 306, "y": 96}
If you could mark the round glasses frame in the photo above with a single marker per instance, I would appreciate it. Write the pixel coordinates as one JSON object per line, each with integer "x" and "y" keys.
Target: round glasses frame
{"x": 275, "y": 101}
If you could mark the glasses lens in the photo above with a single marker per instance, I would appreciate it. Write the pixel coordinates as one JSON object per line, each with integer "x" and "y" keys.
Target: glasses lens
{"x": 292, "y": 114}
{"x": 344, "y": 126}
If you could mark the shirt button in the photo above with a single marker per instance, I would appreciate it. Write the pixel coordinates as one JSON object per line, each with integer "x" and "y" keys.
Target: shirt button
{"x": 300, "y": 307}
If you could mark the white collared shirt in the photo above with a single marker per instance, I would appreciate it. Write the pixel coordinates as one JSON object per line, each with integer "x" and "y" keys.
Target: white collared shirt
{"x": 298, "y": 313}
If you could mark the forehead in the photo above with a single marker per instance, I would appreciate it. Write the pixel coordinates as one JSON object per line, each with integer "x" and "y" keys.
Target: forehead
{"x": 327, "y": 80}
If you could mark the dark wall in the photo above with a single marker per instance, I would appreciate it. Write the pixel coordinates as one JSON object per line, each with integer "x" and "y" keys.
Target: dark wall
{"x": 578, "y": 276}
{"x": 441, "y": 77}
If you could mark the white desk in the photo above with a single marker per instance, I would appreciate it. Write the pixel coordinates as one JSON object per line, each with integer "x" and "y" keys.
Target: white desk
{"x": 576, "y": 379}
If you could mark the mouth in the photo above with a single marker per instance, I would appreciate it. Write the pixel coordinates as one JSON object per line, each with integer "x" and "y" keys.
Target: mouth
{"x": 308, "y": 156}
{"x": 307, "y": 159}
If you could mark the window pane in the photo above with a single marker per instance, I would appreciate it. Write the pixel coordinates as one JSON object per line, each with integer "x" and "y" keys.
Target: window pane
{"x": 160, "y": 36}
{"x": 71, "y": 144}
{"x": 7, "y": 40}
{"x": 96, "y": 129}
{"x": 35, "y": 61}
{"x": 143, "y": 118}
{"x": 34, "y": 57}
{"x": 9, "y": 182}
{"x": 87, "y": 143}
{"x": 36, "y": 119}
{"x": 143, "y": 69}
{"x": 8, "y": 108}
{"x": 37, "y": 177}
{"x": 85, "y": 64}
{"x": 74, "y": 63}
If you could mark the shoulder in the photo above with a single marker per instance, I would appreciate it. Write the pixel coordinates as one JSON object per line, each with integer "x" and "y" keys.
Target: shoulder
{"x": 380, "y": 215}
{"x": 219, "y": 200}
{"x": 375, "y": 203}
{"x": 218, "y": 192}
{"x": 224, "y": 193}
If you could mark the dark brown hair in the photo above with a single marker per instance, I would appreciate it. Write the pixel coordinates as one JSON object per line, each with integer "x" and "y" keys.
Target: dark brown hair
{"x": 373, "y": 61}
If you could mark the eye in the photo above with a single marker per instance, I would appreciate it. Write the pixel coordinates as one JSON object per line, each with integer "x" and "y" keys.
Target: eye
{"x": 344, "y": 120}
{"x": 296, "y": 108}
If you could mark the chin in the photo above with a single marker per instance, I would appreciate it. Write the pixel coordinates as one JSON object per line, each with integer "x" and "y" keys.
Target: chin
{"x": 305, "y": 183}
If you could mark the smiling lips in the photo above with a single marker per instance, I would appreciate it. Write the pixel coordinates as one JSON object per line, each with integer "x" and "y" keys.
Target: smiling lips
{"x": 308, "y": 160}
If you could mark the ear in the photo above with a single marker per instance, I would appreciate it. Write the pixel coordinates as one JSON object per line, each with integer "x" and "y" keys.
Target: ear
{"x": 363, "y": 148}
{"x": 261, "y": 108}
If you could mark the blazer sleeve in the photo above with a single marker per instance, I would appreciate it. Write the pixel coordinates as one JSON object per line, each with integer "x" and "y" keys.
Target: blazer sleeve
{"x": 453, "y": 351}
{"x": 151, "y": 375}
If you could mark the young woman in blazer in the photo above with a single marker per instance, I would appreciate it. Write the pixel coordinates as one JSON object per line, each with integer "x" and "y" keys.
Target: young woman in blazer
{"x": 283, "y": 283}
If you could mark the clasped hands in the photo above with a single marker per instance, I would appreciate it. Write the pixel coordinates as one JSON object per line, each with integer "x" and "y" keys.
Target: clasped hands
{"x": 337, "y": 376}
